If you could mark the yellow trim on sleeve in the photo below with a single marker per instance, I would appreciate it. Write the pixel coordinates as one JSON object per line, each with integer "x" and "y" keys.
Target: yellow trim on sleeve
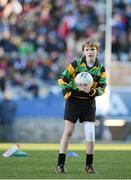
{"x": 93, "y": 93}
{"x": 103, "y": 75}
{"x": 67, "y": 95}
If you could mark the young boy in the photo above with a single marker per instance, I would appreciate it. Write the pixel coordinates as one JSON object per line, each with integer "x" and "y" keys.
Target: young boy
{"x": 80, "y": 101}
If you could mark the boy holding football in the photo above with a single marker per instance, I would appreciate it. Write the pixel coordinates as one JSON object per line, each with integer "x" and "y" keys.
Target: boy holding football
{"x": 80, "y": 101}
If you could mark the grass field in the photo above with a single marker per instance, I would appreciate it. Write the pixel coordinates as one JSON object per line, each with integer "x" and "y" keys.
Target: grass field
{"x": 112, "y": 161}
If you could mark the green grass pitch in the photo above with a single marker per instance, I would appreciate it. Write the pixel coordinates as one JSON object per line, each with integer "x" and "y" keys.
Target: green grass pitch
{"x": 112, "y": 161}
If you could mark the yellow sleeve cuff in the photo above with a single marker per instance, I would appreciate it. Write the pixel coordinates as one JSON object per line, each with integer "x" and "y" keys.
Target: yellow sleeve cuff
{"x": 93, "y": 92}
{"x": 67, "y": 95}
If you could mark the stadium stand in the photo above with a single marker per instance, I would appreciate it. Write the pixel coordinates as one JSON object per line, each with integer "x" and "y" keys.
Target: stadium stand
{"x": 38, "y": 38}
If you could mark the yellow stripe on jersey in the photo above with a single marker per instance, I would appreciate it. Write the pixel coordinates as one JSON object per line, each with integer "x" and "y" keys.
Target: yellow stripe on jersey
{"x": 95, "y": 84}
{"x": 83, "y": 65}
{"x": 60, "y": 82}
{"x": 71, "y": 70}
{"x": 95, "y": 67}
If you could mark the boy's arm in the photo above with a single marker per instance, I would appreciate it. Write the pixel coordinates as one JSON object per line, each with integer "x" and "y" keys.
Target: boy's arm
{"x": 100, "y": 89}
{"x": 65, "y": 79}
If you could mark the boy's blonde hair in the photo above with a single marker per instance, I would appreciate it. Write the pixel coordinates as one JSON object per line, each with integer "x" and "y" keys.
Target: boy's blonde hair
{"x": 91, "y": 41}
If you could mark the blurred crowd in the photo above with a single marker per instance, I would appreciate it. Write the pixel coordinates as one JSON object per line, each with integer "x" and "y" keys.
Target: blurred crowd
{"x": 39, "y": 37}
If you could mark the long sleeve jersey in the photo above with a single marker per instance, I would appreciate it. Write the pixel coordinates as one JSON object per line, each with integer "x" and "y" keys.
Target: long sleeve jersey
{"x": 67, "y": 80}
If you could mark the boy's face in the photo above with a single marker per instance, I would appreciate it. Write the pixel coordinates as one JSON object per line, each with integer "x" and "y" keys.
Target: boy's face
{"x": 90, "y": 52}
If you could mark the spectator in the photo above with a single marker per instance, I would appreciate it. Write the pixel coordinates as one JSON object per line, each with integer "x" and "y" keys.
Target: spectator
{"x": 7, "y": 117}
{"x": 2, "y": 80}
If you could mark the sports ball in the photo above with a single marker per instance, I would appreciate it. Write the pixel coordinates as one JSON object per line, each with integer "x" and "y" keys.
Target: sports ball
{"x": 84, "y": 78}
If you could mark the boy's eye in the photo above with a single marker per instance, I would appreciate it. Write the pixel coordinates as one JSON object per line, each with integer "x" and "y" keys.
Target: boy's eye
{"x": 91, "y": 49}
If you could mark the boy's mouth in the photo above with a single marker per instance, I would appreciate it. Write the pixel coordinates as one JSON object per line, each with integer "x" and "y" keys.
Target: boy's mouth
{"x": 90, "y": 55}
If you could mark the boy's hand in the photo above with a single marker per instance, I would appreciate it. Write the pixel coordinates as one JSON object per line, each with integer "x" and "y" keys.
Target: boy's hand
{"x": 83, "y": 87}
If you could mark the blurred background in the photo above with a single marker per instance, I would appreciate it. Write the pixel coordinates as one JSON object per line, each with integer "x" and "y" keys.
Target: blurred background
{"x": 38, "y": 38}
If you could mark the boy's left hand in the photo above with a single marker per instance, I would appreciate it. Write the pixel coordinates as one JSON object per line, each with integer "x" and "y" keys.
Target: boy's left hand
{"x": 83, "y": 87}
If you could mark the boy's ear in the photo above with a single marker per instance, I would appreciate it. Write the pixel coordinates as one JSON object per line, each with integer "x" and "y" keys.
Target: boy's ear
{"x": 98, "y": 51}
